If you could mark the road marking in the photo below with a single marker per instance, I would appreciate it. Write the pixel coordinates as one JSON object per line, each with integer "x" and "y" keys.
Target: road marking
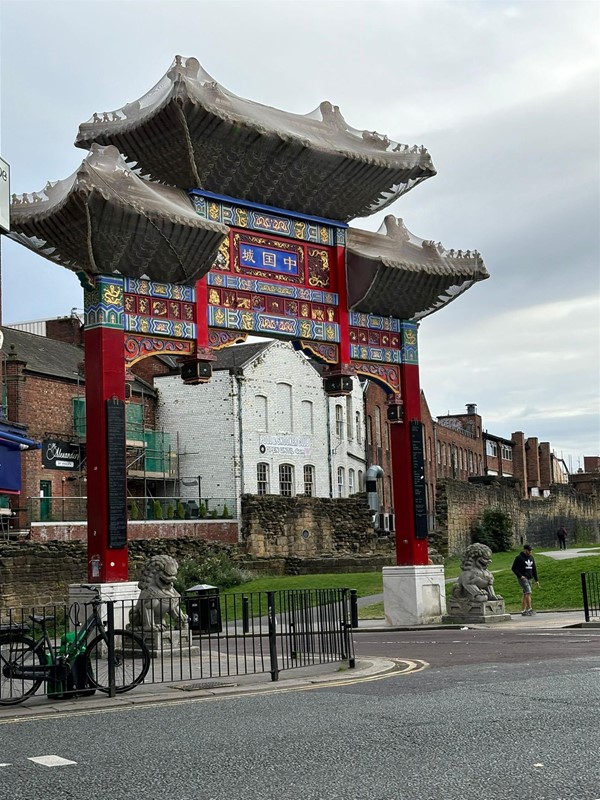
{"x": 5, "y": 765}
{"x": 404, "y": 666}
{"x": 51, "y": 761}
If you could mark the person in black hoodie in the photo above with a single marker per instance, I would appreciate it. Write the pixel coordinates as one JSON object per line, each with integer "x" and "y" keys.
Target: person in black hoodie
{"x": 526, "y": 572}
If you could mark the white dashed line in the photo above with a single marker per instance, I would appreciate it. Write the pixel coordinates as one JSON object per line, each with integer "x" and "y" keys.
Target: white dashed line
{"x": 51, "y": 761}
{"x": 5, "y": 765}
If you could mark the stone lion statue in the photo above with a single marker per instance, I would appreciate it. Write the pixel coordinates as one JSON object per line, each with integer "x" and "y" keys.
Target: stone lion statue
{"x": 158, "y": 597}
{"x": 475, "y": 582}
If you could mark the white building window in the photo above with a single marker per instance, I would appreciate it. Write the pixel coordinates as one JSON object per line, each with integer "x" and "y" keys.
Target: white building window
{"x": 360, "y": 480}
{"x": 309, "y": 480}
{"x": 284, "y": 408}
{"x": 339, "y": 422}
{"x": 286, "y": 480}
{"x": 349, "y": 419}
{"x": 307, "y": 421}
{"x": 260, "y": 402}
{"x": 491, "y": 448}
{"x": 340, "y": 476}
{"x": 351, "y": 487}
{"x": 262, "y": 478}
{"x": 506, "y": 453}
{"x": 358, "y": 428}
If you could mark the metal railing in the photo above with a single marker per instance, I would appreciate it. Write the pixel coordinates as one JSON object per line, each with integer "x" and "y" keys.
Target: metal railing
{"x": 74, "y": 509}
{"x": 590, "y": 587}
{"x": 204, "y": 636}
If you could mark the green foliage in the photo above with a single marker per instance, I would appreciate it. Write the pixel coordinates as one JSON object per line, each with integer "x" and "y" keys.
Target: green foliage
{"x": 214, "y": 514}
{"x": 157, "y": 509}
{"x": 217, "y": 569}
{"x": 226, "y": 514}
{"x": 180, "y": 510}
{"x": 134, "y": 512}
{"x": 170, "y": 511}
{"x": 202, "y": 511}
{"x": 493, "y": 528}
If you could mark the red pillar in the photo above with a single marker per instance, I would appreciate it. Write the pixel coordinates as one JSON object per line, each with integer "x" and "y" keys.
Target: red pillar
{"x": 104, "y": 380}
{"x": 410, "y": 551}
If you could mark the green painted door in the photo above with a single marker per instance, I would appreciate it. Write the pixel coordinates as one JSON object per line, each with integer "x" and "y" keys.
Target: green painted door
{"x": 45, "y": 500}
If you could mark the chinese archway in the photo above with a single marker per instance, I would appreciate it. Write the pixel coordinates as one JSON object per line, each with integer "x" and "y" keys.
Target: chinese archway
{"x": 198, "y": 218}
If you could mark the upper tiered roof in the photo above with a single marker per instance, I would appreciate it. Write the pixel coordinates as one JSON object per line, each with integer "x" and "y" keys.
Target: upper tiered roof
{"x": 106, "y": 219}
{"x": 395, "y": 273}
{"x": 191, "y": 132}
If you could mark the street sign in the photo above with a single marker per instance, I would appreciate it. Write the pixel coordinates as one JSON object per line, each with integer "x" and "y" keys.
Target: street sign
{"x": 4, "y": 196}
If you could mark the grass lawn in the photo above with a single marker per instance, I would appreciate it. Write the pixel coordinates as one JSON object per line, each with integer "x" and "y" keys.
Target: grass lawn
{"x": 560, "y": 583}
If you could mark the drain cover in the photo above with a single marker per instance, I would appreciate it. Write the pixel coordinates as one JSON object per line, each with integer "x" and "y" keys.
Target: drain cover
{"x": 192, "y": 687}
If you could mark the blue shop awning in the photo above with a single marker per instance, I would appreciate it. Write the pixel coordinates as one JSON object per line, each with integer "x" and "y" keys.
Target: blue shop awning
{"x": 16, "y": 442}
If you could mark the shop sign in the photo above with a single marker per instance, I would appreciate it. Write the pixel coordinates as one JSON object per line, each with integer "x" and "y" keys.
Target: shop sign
{"x": 60, "y": 455}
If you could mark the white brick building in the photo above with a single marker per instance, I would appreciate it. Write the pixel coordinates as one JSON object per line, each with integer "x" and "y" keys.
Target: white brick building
{"x": 263, "y": 424}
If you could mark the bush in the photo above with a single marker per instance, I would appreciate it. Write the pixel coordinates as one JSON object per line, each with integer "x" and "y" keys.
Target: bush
{"x": 214, "y": 514}
{"x": 217, "y": 569}
{"x": 170, "y": 512}
{"x": 202, "y": 511}
{"x": 226, "y": 514}
{"x": 157, "y": 511}
{"x": 180, "y": 510}
{"x": 493, "y": 528}
{"x": 134, "y": 512}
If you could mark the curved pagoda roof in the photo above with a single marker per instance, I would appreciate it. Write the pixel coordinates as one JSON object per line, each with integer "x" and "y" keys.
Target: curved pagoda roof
{"x": 106, "y": 219}
{"x": 191, "y": 132}
{"x": 394, "y": 273}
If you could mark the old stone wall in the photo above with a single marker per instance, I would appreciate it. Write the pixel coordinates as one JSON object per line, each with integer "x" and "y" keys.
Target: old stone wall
{"x": 37, "y": 574}
{"x": 308, "y": 527}
{"x": 535, "y": 520}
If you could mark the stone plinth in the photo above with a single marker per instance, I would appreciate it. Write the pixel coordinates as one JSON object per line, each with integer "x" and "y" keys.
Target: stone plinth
{"x": 476, "y": 611}
{"x": 124, "y": 594}
{"x": 414, "y": 595}
{"x": 169, "y": 642}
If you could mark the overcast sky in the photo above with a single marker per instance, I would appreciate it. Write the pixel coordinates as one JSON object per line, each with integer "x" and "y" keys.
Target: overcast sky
{"x": 505, "y": 95}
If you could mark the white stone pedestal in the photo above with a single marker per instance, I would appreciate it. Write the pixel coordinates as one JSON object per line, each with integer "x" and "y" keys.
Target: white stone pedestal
{"x": 414, "y": 595}
{"x": 124, "y": 594}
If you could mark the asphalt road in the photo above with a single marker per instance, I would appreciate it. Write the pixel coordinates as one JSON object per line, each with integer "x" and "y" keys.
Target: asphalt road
{"x": 477, "y": 723}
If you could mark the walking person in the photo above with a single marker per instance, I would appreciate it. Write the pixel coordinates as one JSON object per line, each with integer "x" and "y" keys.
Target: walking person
{"x": 526, "y": 572}
{"x": 561, "y": 535}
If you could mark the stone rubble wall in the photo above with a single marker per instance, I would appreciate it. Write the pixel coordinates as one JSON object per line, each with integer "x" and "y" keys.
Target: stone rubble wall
{"x": 281, "y": 536}
{"x": 459, "y": 504}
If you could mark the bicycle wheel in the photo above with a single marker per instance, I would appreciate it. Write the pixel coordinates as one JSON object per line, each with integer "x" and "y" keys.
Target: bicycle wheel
{"x": 17, "y": 650}
{"x": 132, "y": 661}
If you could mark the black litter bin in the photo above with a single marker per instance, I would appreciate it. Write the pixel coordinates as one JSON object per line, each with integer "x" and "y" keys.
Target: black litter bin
{"x": 204, "y": 608}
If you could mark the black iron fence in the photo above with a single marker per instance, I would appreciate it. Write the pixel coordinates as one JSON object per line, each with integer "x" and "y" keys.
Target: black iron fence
{"x": 590, "y": 587}
{"x": 114, "y": 646}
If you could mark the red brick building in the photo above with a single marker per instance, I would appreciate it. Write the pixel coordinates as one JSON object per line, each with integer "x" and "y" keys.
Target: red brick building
{"x": 44, "y": 390}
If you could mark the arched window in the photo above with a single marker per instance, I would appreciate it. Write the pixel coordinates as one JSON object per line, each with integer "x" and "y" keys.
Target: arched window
{"x": 351, "y": 487}
{"x": 360, "y": 480}
{"x": 340, "y": 477}
{"x": 307, "y": 422}
{"x": 349, "y": 418}
{"x": 358, "y": 428}
{"x": 262, "y": 419}
{"x": 378, "y": 426}
{"x": 309, "y": 480}
{"x": 262, "y": 478}
{"x": 286, "y": 480}
{"x": 339, "y": 421}
{"x": 285, "y": 422}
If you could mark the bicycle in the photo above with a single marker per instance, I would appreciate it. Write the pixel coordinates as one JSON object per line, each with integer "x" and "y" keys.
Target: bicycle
{"x": 77, "y": 666}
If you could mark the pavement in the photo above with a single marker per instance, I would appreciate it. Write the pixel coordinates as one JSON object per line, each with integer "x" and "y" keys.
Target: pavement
{"x": 303, "y": 677}
{"x": 40, "y": 707}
